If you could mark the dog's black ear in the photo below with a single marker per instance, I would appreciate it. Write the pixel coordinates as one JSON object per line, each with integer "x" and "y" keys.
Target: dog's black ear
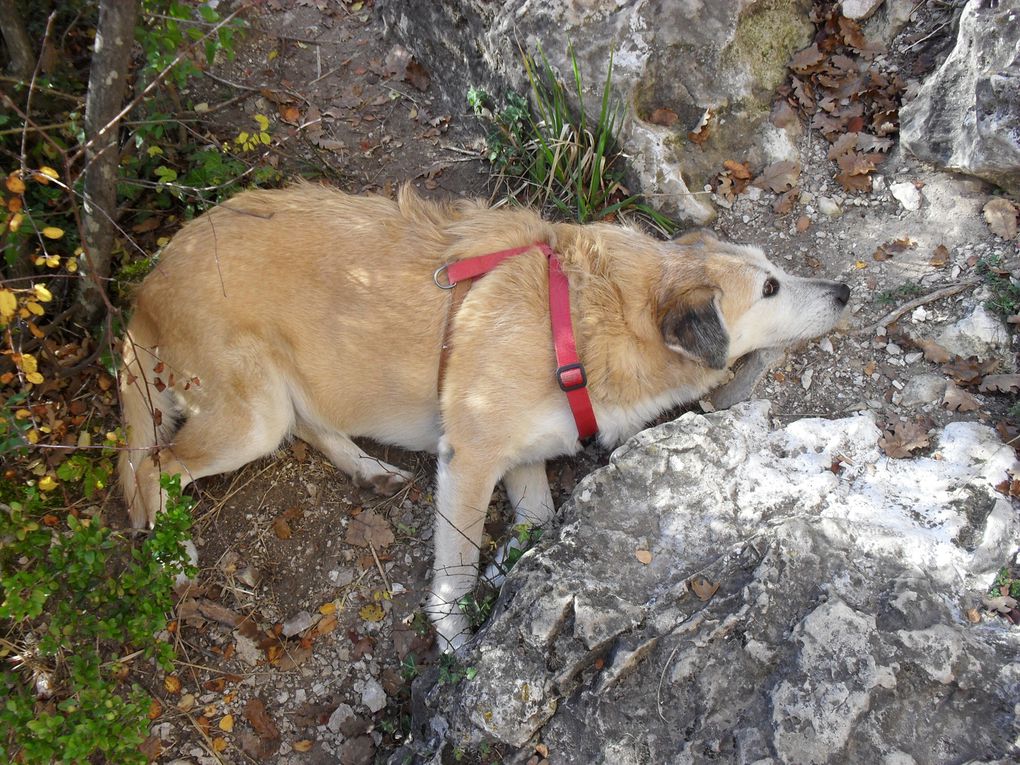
{"x": 693, "y": 326}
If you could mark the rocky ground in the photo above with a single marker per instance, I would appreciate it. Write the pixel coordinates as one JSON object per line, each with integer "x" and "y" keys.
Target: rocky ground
{"x": 300, "y": 640}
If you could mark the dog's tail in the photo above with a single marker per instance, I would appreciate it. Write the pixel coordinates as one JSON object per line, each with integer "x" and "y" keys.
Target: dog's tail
{"x": 149, "y": 415}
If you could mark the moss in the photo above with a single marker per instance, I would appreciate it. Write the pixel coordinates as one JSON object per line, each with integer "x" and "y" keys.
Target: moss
{"x": 767, "y": 35}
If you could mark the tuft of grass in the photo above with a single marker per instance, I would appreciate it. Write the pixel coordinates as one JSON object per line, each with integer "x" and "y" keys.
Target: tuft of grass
{"x": 549, "y": 156}
{"x": 899, "y": 294}
{"x": 79, "y": 606}
{"x": 1005, "y": 299}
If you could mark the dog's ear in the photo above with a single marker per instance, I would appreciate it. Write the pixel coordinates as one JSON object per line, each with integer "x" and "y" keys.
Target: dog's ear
{"x": 693, "y": 326}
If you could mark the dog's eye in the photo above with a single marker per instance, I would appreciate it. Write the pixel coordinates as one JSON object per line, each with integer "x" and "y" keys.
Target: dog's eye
{"x": 771, "y": 287}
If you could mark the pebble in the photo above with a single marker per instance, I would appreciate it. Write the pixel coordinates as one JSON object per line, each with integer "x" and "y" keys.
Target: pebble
{"x": 912, "y": 358}
{"x": 893, "y": 350}
{"x": 373, "y": 696}
{"x": 907, "y": 195}
{"x": 826, "y": 345}
{"x": 299, "y": 622}
{"x": 829, "y": 207}
{"x": 805, "y": 379}
{"x": 340, "y": 714}
{"x": 919, "y": 314}
{"x": 923, "y": 389}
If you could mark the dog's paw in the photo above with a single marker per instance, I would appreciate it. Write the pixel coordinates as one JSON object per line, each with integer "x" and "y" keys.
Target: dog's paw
{"x": 451, "y": 626}
{"x": 384, "y": 484}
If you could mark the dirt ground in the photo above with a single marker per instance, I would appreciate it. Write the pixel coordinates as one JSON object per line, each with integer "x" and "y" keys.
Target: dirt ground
{"x": 304, "y": 632}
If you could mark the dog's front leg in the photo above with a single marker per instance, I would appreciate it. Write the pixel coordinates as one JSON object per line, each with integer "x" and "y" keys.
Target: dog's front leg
{"x": 527, "y": 488}
{"x": 464, "y": 484}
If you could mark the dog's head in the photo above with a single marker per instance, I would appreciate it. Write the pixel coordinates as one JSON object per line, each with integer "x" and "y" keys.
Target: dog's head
{"x": 718, "y": 301}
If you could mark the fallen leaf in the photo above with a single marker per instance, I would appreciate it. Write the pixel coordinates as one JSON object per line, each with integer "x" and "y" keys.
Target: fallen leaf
{"x": 255, "y": 713}
{"x": 302, "y": 745}
{"x": 281, "y": 528}
{"x": 294, "y": 656}
{"x": 219, "y": 745}
{"x": 663, "y": 117}
{"x": 226, "y": 723}
{"x": 854, "y": 182}
{"x": 902, "y": 438}
{"x": 703, "y": 588}
{"x": 940, "y": 256}
{"x": 1000, "y": 384}
{"x": 151, "y": 748}
{"x": 1003, "y": 604}
{"x": 369, "y": 530}
{"x": 803, "y": 224}
{"x": 644, "y": 556}
{"x": 969, "y": 371}
{"x": 886, "y": 250}
{"x": 217, "y": 613}
{"x": 737, "y": 169}
{"x": 806, "y": 60}
{"x": 372, "y": 612}
{"x": 779, "y": 176}
{"x": 933, "y": 352}
{"x": 784, "y": 202}
{"x": 416, "y": 75}
{"x": 290, "y": 114}
{"x": 1000, "y": 215}
{"x": 973, "y": 615}
{"x": 172, "y": 683}
{"x": 299, "y": 449}
{"x": 956, "y": 399}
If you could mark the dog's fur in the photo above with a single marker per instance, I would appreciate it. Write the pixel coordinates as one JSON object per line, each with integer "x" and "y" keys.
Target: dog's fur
{"x": 313, "y": 313}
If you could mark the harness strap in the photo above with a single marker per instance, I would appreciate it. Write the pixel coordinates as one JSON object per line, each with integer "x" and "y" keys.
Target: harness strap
{"x": 570, "y": 372}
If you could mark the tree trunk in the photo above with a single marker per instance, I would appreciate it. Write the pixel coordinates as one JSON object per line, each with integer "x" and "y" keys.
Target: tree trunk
{"x": 108, "y": 79}
{"x": 19, "y": 46}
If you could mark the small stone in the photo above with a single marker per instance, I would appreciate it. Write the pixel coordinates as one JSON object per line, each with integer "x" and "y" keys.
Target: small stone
{"x": 893, "y": 350}
{"x": 914, "y": 357}
{"x": 340, "y": 714}
{"x": 299, "y": 622}
{"x": 919, "y": 314}
{"x": 373, "y": 696}
{"x": 805, "y": 379}
{"x": 923, "y": 389}
{"x": 829, "y": 207}
{"x": 979, "y": 334}
{"x": 826, "y": 345}
{"x": 860, "y": 9}
{"x": 806, "y": 197}
{"x": 907, "y": 195}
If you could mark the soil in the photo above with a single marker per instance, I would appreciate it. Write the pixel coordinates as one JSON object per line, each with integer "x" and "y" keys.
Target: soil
{"x": 301, "y": 637}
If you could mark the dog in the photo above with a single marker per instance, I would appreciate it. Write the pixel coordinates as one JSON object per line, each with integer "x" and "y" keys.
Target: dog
{"x": 313, "y": 313}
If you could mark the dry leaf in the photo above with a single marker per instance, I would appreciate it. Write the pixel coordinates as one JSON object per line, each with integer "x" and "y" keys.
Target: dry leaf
{"x": 372, "y": 612}
{"x": 1000, "y": 384}
{"x": 1000, "y": 215}
{"x": 803, "y": 224}
{"x": 956, "y": 399}
{"x": 779, "y": 176}
{"x": 703, "y": 588}
{"x": 644, "y": 556}
{"x": 933, "y": 351}
{"x": 969, "y": 371}
{"x": 806, "y": 60}
{"x": 255, "y": 713}
{"x": 368, "y": 529}
{"x": 784, "y": 202}
{"x": 854, "y": 182}
{"x": 219, "y": 745}
{"x": 172, "y": 683}
{"x": 905, "y": 437}
{"x": 940, "y": 256}
{"x": 281, "y": 528}
{"x": 302, "y": 745}
{"x": 663, "y": 117}
{"x": 737, "y": 169}
{"x": 226, "y": 723}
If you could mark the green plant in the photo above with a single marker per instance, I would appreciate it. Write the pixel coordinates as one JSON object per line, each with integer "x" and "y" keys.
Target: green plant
{"x": 552, "y": 157}
{"x": 1005, "y": 299}
{"x": 1006, "y": 580}
{"x": 79, "y": 603}
{"x": 477, "y": 606}
{"x": 898, "y": 294}
{"x": 451, "y": 671}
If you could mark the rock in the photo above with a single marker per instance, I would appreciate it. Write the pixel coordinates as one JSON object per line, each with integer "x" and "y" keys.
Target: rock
{"x": 790, "y": 610}
{"x": 675, "y": 67}
{"x": 906, "y": 194}
{"x": 923, "y": 389}
{"x": 299, "y": 622}
{"x": 373, "y": 696}
{"x": 336, "y": 720}
{"x": 965, "y": 115}
{"x": 980, "y": 334}
{"x": 860, "y": 9}
{"x": 829, "y": 207}
{"x": 247, "y": 650}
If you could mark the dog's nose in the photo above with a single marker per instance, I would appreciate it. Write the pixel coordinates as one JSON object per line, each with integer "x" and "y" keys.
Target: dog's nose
{"x": 842, "y": 293}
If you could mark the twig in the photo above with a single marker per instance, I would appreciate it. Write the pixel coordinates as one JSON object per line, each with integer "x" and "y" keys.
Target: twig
{"x": 931, "y": 297}
{"x": 378, "y": 564}
{"x": 31, "y": 89}
{"x": 458, "y": 150}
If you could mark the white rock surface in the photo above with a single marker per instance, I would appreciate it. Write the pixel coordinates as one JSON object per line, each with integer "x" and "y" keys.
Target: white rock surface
{"x": 978, "y": 334}
{"x": 860, "y": 9}
{"x": 906, "y": 194}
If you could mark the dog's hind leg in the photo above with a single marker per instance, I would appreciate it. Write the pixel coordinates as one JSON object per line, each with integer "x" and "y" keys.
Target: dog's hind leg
{"x": 221, "y": 436}
{"x": 465, "y": 479}
{"x": 527, "y": 488}
{"x": 368, "y": 472}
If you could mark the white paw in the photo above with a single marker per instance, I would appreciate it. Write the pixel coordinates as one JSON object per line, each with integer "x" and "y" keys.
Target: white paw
{"x": 452, "y": 629}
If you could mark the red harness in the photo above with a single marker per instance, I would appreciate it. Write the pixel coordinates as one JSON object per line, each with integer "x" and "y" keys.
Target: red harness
{"x": 570, "y": 372}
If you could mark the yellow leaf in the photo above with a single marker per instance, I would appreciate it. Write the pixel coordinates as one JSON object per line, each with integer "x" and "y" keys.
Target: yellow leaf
{"x": 325, "y": 608}
{"x": 27, "y": 362}
{"x": 52, "y": 261}
{"x": 49, "y": 172}
{"x": 22, "y": 414}
{"x": 860, "y": 264}
{"x": 34, "y": 377}
{"x": 35, "y": 308}
{"x": 272, "y": 54}
{"x": 303, "y": 745}
{"x": 15, "y": 222}
{"x": 52, "y": 232}
{"x": 72, "y": 265}
{"x": 8, "y": 305}
{"x": 32, "y": 436}
{"x": 172, "y": 683}
{"x": 263, "y": 121}
{"x": 226, "y": 723}
{"x": 42, "y": 293}
{"x": 373, "y": 612}
{"x": 219, "y": 745}
{"x": 46, "y": 483}
{"x": 644, "y": 556}
{"x": 14, "y": 183}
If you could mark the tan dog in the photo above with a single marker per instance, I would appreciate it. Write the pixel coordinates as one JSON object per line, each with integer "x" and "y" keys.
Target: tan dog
{"x": 313, "y": 313}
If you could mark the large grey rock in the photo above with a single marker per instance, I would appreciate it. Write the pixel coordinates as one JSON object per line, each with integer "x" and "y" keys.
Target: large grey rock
{"x": 837, "y": 633}
{"x": 966, "y": 116}
{"x": 978, "y": 334}
{"x": 691, "y": 58}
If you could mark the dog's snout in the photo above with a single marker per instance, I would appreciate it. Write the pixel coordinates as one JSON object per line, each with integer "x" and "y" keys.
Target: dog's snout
{"x": 842, "y": 294}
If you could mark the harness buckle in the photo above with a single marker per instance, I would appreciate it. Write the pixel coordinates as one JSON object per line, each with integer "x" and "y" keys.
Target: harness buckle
{"x": 435, "y": 277}
{"x": 571, "y": 377}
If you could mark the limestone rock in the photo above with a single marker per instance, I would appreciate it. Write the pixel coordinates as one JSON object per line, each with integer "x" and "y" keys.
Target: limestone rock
{"x": 979, "y": 334}
{"x": 860, "y": 9}
{"x": 907, "y": 194}
{"x": 837, "y": 632}
{"x": 965, "y": 116}
{"x": 717, "y": 63}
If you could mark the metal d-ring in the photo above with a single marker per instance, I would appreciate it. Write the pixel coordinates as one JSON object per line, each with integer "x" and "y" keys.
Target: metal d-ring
{"x": 435, "y": 278}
